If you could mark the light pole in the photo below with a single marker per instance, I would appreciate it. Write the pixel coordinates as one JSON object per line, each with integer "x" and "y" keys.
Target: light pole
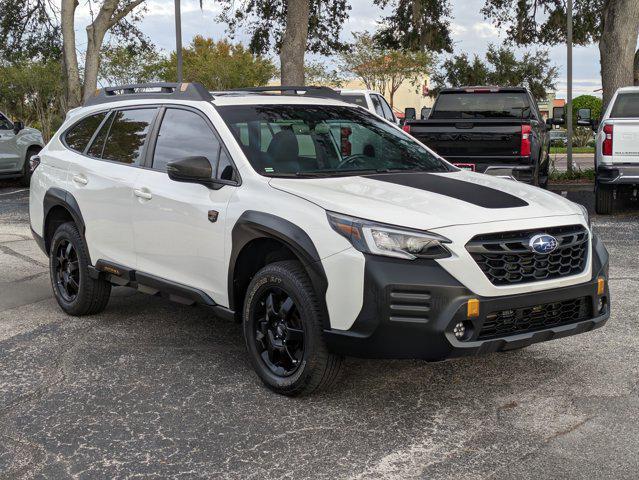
{"x": 569, "y": 93}
{"x": 178, "y": 40}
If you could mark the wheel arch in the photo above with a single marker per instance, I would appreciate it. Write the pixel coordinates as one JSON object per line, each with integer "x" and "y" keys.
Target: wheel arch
{"x": 59, "y": 206}
{"x": 260, "y": 238}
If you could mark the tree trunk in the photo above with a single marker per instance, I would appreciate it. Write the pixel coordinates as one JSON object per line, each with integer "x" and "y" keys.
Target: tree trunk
{"x": 73, "y": 90}
{"x": 636, "y": 69}
{"x": 620, "y": 23}
{"x": 294, "y": 42}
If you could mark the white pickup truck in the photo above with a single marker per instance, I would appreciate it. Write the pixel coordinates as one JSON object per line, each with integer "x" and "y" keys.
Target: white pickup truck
{"x": 617, "y": 154}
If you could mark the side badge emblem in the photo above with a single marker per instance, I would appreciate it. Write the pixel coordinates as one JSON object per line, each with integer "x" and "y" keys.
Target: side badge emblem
{"x": 213, "y": 216}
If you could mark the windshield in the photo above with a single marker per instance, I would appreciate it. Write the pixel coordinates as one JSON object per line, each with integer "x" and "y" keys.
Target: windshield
{"x": 626, "y": 106}
{"x": 355, "y": 99}
{"x": 321, "y": 140}
{"x": 481, "y": 105}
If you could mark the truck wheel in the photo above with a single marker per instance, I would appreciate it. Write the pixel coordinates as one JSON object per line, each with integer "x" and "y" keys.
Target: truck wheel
{"x": 25, "y": 180}
{"x": 283, "y": 331}
{"x": 76, "y": 292}
{"x": 604, "y": 199}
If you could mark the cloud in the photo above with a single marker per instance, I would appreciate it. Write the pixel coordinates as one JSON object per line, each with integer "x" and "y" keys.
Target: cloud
{"x": 485, "y": 30}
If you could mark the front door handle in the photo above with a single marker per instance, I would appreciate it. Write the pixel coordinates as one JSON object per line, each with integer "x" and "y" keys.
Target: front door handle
{"x": 80, "y": 179}
{"x": 142, "y": 193}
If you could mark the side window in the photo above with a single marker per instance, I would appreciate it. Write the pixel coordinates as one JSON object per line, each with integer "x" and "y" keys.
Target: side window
{"x": 184, "y": 134}
{"x": 96, "y": 148}
{"x": 388, "y": 112}
{"x": 127, "y": 135}
{"x": 378, "y": 106}
{"x": 79, "y": 135}
{"x": 5, "y": 124}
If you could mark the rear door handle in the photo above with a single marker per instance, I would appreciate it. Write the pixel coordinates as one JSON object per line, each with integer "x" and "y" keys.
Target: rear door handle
{"x": 80, "y": 179}
{"x": 143, "y": 193}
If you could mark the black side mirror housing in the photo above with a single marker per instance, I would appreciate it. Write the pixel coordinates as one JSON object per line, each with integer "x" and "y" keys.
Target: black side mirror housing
{"x": 191, "y": 170}
{"x": 17, "y": 126}
{"x": 558, "y": 116}
{"x": 197, "y": 170}
{"x": 584, "y": 117}
{"x": 549, "y": 122}
{"x": 410, "y": 114}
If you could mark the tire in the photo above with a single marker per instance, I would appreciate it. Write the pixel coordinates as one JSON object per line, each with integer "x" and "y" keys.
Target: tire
{"x": 285, "y": 342}
{"x": 604, "y": 199}
{"x": 25, "y": 180}
{"x": 76, "y": 292}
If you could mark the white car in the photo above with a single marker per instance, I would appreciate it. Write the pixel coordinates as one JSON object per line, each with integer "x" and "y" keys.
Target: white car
{"x": 370, "y": 100}
{"x": 17, "y": 145}
{"x": 617, "y": 150}
{"x": 326, "y": 230}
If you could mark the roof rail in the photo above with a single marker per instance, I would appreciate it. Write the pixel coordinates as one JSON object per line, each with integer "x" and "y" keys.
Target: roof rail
{"x": 139, "y": 91}
{"x": 301, "y": 90}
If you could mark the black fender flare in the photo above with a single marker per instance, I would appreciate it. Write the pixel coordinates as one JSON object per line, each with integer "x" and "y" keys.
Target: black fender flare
{"x": 253, "y": 225}
{"x": 55, "y": 197}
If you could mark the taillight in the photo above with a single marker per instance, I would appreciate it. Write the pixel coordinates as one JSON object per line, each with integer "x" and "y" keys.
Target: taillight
{"x": 33, "y": 163}
{"x": 606, "y": 148}
{"x": 406, "y": 128}
{"x": 524, "y": 149}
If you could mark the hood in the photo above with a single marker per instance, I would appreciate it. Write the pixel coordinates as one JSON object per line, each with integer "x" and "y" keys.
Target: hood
{"x": 429, "y": 200}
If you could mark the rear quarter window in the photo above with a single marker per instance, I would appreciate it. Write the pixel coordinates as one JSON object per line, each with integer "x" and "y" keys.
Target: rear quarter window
{"x": 626, "y": 106}
{"x": 79, "y": 135}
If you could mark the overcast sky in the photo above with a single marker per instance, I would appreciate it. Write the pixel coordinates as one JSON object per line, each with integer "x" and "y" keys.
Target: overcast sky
{"x": 471, "y": 34}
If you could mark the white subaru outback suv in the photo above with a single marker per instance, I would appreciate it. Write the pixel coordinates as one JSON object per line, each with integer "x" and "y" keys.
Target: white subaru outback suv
{"x": 323, "y": 228}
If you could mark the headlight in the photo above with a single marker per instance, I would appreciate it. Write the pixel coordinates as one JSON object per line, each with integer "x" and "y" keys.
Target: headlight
{"x": 387, "y": 240}
{"x": 584, "y": 210}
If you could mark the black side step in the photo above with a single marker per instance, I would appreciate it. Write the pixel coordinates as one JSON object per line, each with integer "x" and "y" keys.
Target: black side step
{"x": 146, "y": 283}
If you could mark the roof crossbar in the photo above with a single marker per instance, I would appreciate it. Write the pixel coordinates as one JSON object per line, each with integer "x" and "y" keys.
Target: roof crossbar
{"x": 300, "y": 90}
{"x": 139, "y": 91}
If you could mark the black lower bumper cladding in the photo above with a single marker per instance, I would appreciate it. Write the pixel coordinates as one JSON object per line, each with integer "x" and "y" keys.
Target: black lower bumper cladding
{"x": 411, "y": 308}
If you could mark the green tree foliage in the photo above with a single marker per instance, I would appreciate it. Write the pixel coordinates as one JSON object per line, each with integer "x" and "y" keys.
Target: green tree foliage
{"x": 122, "y": 65}
{"x": 29, "y": 29}
{"x": 266, "y": 20}
{"x": 587, "y": 101}
{"x": 32, "y": 92}
{"x": 317, "y": 73}
{"x": 219, "y": 65}
{"x": 416, "y": 25}
{"x": 383, "y": 69}
{"x": 583, "y": 136}
{"x": 501, "y": 67}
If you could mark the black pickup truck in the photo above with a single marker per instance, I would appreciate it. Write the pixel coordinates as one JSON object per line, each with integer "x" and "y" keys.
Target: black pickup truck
{"x": 494, "y": 130}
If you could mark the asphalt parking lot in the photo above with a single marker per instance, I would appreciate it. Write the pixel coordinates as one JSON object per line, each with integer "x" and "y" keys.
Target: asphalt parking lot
{"x": 153, "y": 389}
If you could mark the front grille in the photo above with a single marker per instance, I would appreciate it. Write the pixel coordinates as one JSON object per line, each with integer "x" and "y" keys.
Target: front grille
{"x": 538, "y": 317}
{"x": 506, "y": 259}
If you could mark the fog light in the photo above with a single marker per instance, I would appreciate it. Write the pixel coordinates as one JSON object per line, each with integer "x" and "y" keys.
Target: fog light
{"x": 460, "y": 331}
{"x": 601, "y": 285}
{"x": 601, "y": 305}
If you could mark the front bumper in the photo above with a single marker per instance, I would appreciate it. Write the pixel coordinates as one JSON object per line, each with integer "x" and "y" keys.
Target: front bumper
{"x": 618, "y": 174}
{"x": 411, "y": 309}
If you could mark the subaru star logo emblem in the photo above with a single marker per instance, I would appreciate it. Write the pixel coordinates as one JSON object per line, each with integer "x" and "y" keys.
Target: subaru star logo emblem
{"x": 543, "y": 243}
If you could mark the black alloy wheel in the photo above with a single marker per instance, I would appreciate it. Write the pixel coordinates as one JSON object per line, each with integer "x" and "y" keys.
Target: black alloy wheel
{"x": 67, "y": 271}
{"x": 278, "y": 332}
{"x": 283, "y": 330}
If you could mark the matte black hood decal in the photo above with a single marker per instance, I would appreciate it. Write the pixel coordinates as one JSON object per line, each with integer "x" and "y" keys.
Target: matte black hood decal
{"x": 466, "y": 191}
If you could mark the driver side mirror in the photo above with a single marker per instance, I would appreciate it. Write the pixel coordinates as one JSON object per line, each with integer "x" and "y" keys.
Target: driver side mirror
{"x": 197, "y": 170}
{"x": 584, "y": 117}
{"x": 558, "y": 116}
{"x": 410, "y": 114}
{"x": 17, "y": 126}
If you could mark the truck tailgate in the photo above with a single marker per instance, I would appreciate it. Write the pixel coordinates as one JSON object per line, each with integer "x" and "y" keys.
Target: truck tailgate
{"x": 625, "y": 146}
{"x": 466, "y": 138}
